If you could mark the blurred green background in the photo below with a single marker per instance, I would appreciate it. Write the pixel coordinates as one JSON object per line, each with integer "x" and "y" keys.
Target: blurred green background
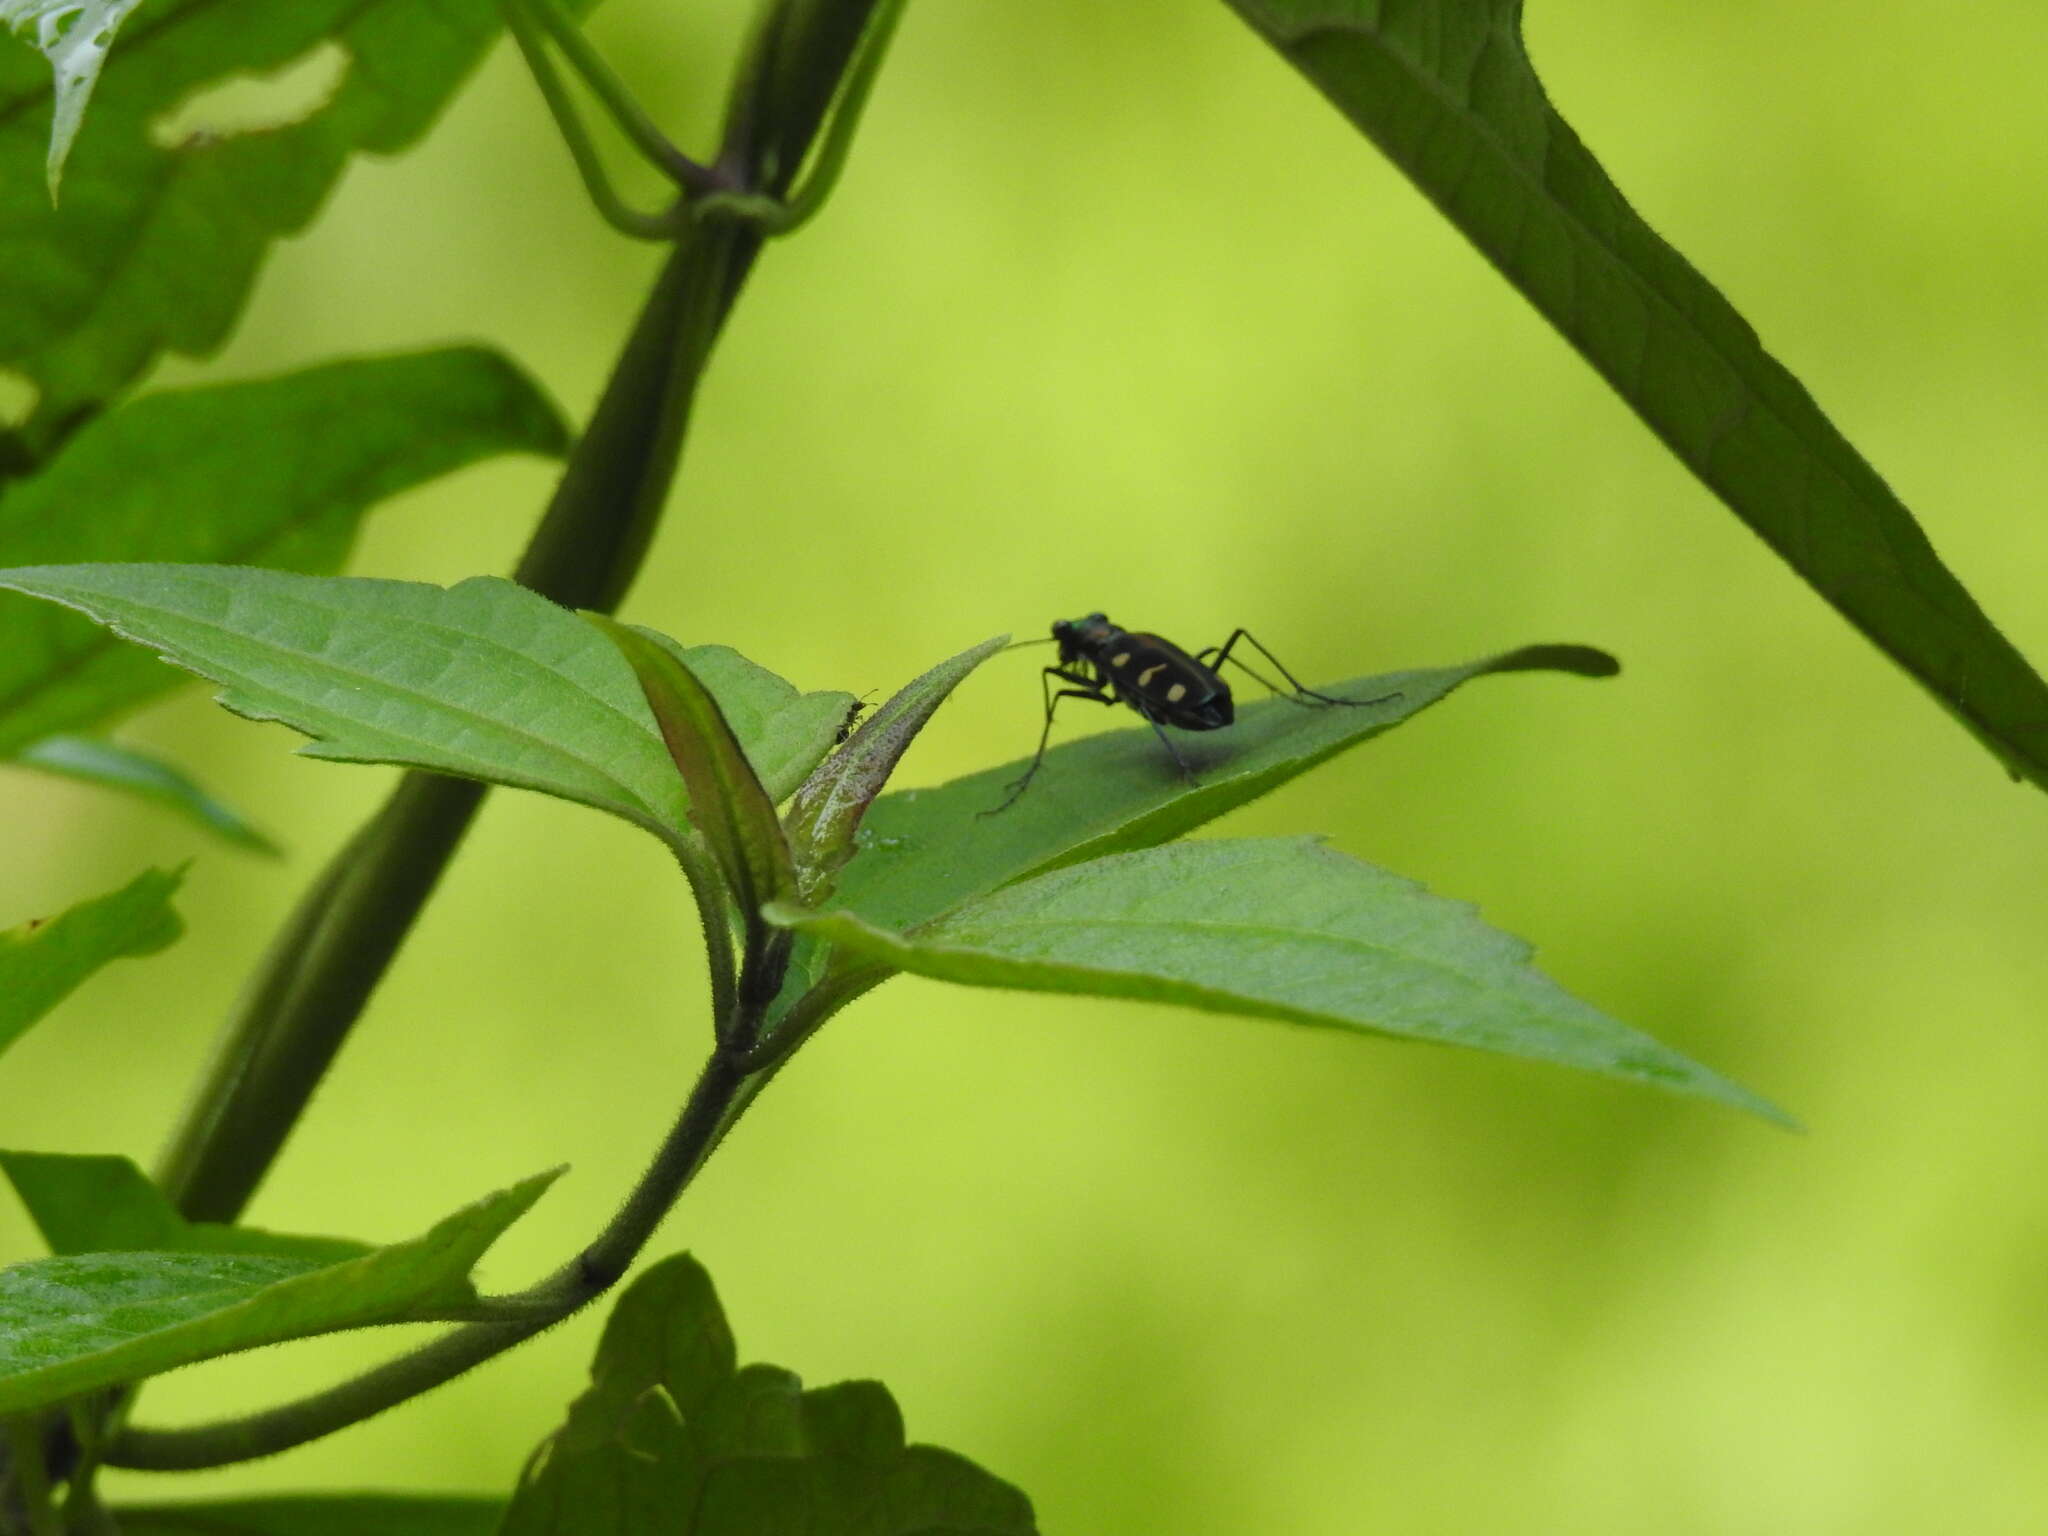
{"x": 1110, "y": 311}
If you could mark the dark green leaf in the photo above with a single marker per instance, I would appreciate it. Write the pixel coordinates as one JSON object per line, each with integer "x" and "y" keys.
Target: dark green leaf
{"x": 825, "y": 814}
{"x": 672, "y": 1440}
{"x": 276, "y": 473}
{"x": 89, "y": 1204}
{"x": 313, "y": 1514}
{"x": 77, "y": 1324}
{"x": 1445, "y": 89}
{"x": 484, "y": 679}
{"x": 727, "y": 802}
{"x": 925, "y": 851}
{"x": 1278, "y": 929}
{"x": 42, "y": 960}
{"x": 151, "y": 778}
{"x": 156, "y": 247}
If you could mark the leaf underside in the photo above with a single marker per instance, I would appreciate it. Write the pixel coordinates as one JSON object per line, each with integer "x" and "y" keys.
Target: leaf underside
{"x": 731, "y": 808}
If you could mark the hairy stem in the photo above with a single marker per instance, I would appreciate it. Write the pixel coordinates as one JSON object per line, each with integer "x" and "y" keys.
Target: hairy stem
{"x": 509, "y": 1320}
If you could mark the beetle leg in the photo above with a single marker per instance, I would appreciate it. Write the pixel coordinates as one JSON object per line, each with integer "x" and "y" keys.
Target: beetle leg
{"x": 1173, "y": 752}
{"x": 1087, "y": 688}
{"x": 1221, "y": 653}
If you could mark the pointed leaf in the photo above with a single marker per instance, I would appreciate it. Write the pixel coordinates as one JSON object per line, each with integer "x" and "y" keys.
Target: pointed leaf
{"x": 94, "y": 1204}
{"x": 1446, "y": 91}
{"x": 727, "y": 801}
{"x": 1279, "y": 929}
{"x": 925, "y": 851}
{"x": 485, "y": 679}
{"x": 155, "y": 246}
{"x": 42, "y": 960}
{"x": 329, "y": 1514}
{"x": 74, "y": 36}
{"x": 826, "y": 813}
{"x": 77, "y": 1324}
{"x": 277, "y": 472}
{"x": 672, "y": 1440}
{"x": 150, "y": 778}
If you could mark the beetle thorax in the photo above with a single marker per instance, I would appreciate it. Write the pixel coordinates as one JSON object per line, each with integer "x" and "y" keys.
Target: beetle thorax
{"x": 1081, "y": 639}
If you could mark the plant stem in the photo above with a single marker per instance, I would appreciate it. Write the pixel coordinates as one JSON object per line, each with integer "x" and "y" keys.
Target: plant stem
{"x": 726, "y": 1088}
{"x": 334, "y": 948}
{"x": 319, "y": 973}
{"x": 338, "y": 942}
{"x": 704, "y": 1120}
{"x": 779, "y": 217}
{"x": 327, "y": 959}
{"x": 609, "y": 89}
{"x": 29, "y": 1480}
{"x": 589, "y": 164}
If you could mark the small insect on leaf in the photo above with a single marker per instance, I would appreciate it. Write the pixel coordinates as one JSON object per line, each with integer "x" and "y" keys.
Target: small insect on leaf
{"x": 854, "y": 711}
{"x": 1153, "y": 676}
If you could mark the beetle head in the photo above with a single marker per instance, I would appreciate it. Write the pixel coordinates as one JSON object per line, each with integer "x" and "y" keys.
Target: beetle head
{"x": 1077, "y": 637}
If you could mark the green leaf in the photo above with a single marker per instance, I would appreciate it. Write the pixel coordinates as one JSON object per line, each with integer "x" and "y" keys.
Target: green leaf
{"x": 1277, "y": 929}
{"x": 278, "y": 472}
{"x": 96, "y": 1204}
{"x": 925, "y": 851}
{"x": 484, "y": 680}
{"x": 157, "y": 247}
{"x": 727, "y": 801}
{"x": 332, "y": 1514}
{"x": 826, "y": 812}
{"x": 74, "y": 36}
{"x": 79, "y": 1323}
{"x": 42, "y": 960}
{"x": 673, "y": 1440}
{"x": 1446, "y": 91}
{"x": 151, "y": 778}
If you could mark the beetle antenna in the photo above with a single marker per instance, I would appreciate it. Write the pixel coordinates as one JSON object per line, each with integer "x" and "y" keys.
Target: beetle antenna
{"x": 1018, "y": 645}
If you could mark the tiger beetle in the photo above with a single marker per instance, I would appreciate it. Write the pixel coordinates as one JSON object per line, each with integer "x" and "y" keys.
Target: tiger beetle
{"x": 1156, "y": 678}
